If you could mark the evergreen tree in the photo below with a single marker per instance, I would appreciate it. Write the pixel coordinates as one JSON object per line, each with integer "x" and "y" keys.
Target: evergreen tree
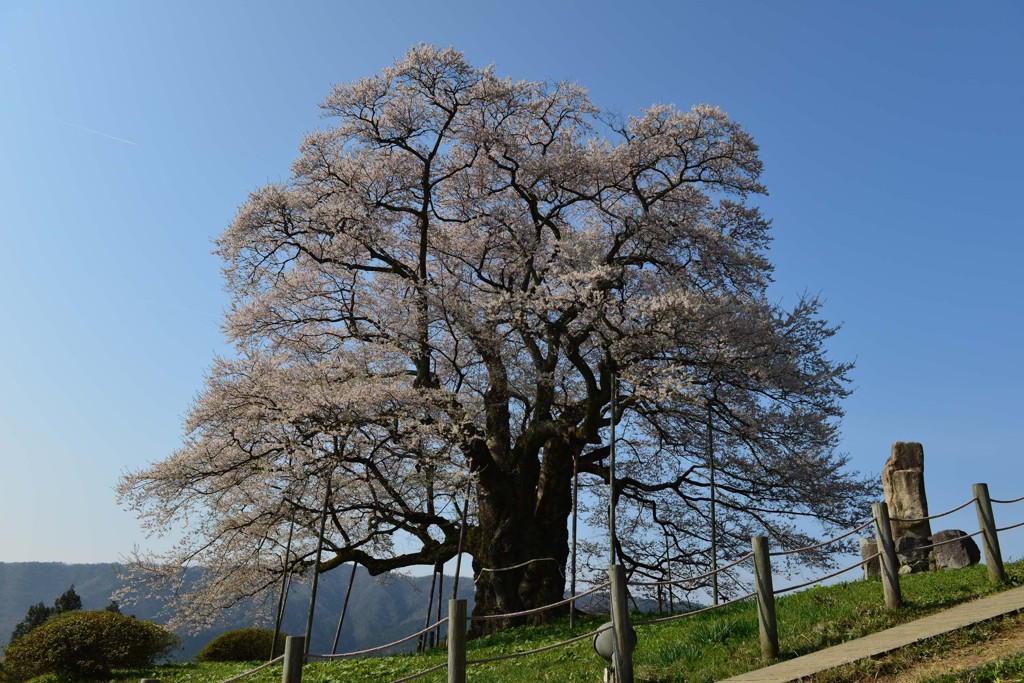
{"x": 36, "y": 615}
{"x": 69, "y": 601}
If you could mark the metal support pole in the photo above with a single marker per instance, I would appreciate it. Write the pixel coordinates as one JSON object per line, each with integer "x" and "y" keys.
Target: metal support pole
{"x": 668, "y": 568}
{"x": 462, "y": 538}
{"x": 344, "y": 609}
{"x": 890, "y": 565}
{"x": 622, "y": 661}
{"x": 456, "y": 641}
{"x": 294, "y": 656}
{"x": 767, "y": 626}
{"x": 282, "y": 598}
{"x": 990, "y": 540}
{"x": 316, "y": 566}
{"x": 575, "y": 516}
{"x": 424, "y": 641}
{"x": 611, "y": 478}
{"x": 714, "y": 521}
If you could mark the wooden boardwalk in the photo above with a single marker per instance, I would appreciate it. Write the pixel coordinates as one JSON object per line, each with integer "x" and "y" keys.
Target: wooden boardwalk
{"x": 891, "y": 639}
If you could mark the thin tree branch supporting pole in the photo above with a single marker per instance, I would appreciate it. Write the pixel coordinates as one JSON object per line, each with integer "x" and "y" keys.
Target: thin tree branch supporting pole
{"x": 462, "y": 537}
{"x": 440, "y": 599}
{"x": 344, "y": 608}
{"x": 316, "y": 565}
{"x": 575, "y": 515}
{"x": 668, "y": 567}
{"x": 422, "y": 646}
{"x": 611, "y": 478}
{"x": 714, "y": 523}
{"x": 285, "y": 580}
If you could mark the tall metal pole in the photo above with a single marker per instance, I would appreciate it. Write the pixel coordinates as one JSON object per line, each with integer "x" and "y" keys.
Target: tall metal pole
{"x": 575, "y": 513}
{"x": 462, "y": 537}
{"x": 440, "y": 599}
{"x": 425, "y": 637}
{"x": 668, "y": 566}
{"x": 714, "y": 522}
{"x": 611, "y": 479}
{"x": 285, "y": 578}
{"x": 316, "y": 566}
{"x": 344, "y": 609}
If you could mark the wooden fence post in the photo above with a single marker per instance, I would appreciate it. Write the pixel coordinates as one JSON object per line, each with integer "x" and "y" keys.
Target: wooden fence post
{"x": 766, "y": 623}
{"x": 294, "y": 657}
{"x": 622, "y": 662}
{"x": 990, "y": 540}
{"x": 456, "y": 641}
{"x": 890, "y": 565}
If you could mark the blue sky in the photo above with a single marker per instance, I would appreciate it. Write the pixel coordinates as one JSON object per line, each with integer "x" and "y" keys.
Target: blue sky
{"x": 130, "y": 132}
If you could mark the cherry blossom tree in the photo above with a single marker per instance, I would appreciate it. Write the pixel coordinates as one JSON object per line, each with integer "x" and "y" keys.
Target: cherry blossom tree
{"x": 440, "y": 296}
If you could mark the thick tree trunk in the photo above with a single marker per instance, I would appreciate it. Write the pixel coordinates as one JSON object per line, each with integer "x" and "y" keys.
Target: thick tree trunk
{"x": 524, "y": 512}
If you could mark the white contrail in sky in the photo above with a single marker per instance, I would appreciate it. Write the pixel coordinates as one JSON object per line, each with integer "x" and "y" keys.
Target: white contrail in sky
{"x": 90, "y": 130}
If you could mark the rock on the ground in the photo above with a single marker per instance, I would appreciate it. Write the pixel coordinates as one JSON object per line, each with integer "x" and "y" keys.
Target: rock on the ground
{"x": 913, "y": 554}
{"x": 954, "y": 554}
{"x": 872, "y": 568}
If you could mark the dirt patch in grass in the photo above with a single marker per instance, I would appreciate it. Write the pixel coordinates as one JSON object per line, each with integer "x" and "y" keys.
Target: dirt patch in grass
{"x": 951, "y": 653}
{"x": 1009, "y": 640}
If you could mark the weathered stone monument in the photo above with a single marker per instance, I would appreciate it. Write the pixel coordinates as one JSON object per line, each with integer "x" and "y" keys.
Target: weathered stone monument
{"x": 903, "y": 484}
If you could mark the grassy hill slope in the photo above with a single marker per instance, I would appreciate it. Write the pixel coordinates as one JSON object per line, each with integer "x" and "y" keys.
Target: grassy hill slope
{"x": 704, "y": 647}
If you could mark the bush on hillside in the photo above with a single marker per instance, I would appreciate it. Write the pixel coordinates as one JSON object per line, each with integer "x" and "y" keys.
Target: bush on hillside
{"x": 37, "y": 614}
{"x": 87, "y": 645}
{"x": 241, "y": 645}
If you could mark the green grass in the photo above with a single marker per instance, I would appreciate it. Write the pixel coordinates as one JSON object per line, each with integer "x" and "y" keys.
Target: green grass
{"x": 701, "y": 648}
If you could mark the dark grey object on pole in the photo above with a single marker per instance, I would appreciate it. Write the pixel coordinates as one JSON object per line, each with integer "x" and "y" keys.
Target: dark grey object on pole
{"x": 989, "y": 538}
{"x": 766, "y": 623}
{"x": 456, "y": 641}
{"x": 294, "y": 657}
{"x": 604, "y": 640}
{"x": 890, "y": 563}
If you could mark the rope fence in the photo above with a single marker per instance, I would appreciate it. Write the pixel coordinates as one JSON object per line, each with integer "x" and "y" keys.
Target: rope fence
{"x": 250, "y": 672}
{"x": 421, "y": 674}
{"x": 371, "y": 650}
{"x": 691, "y": 579}
{"x": 828, "y": 576}
{"x": 524, "y": 653}
{"x": 683, "y": 615}
{"x": 765, "y": 592}
{"x": 544, "y": 608}
{"x": 498, "y": 570}
{"x": 925, "y": 519}
{"x": 948, "y": 540}
{"x": 851, "y": 532}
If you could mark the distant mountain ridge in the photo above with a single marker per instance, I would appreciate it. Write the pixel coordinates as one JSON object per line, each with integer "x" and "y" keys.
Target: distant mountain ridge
{"x": 381, "y": 609}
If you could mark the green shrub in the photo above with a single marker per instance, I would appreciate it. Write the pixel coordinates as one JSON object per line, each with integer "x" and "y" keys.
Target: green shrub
{"x": 241, "y": 645}
{"x": 87, "y": 645}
